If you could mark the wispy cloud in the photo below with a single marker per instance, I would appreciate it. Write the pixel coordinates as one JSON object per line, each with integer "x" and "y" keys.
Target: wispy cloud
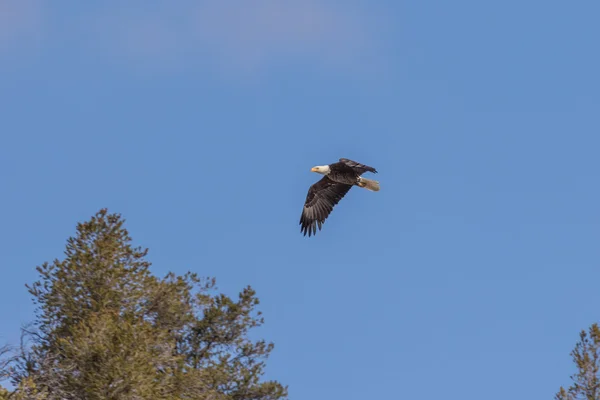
{"x": 232, "y": 37}
{"x": 243, "y": 36}
{"x": 20, "y": 21}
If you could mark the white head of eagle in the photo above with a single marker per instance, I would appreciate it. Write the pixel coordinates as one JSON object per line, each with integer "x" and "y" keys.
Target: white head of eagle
{"x": 322, "y": 196}
{"x": 321, "y": 169}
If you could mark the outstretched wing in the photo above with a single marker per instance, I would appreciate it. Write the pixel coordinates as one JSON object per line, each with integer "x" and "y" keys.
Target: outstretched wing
{"x": 357, "y": 167}
{"x": 320, "y": 200}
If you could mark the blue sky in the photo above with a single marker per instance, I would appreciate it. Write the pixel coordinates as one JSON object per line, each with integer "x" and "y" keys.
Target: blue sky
{"x": 470, "y": 273}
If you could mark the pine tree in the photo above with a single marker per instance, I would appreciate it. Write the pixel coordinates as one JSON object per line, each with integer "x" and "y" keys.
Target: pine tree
{"x": 106, "y": 328}
{"x": 586, "y": 356}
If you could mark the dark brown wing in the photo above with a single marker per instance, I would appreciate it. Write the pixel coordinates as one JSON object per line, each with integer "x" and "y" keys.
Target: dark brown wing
{"x": 320, "y": 200}
{"x": 357, "y": 167}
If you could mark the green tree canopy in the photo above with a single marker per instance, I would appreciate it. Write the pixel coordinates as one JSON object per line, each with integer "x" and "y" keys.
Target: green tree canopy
{"x": 586, "y": 356}
{"x": 106, "y": 328}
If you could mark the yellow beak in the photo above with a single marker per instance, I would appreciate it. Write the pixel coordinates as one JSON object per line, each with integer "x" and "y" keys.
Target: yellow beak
{"x": 313, "y": 169}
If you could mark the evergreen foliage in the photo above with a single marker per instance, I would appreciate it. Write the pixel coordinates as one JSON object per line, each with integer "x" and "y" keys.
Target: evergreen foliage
{"x": 586, "y": 356}
{"x": 106, "y": 328}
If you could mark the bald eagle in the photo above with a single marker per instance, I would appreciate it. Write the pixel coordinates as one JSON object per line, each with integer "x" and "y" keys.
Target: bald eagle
{"x": 322, "y": 196}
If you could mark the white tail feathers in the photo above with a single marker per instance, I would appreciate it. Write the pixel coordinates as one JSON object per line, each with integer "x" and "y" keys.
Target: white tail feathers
{"x": 368, "y": 184}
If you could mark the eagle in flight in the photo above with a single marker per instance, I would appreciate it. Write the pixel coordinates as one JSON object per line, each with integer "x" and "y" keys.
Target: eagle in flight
{"x": 322, "y": 196}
